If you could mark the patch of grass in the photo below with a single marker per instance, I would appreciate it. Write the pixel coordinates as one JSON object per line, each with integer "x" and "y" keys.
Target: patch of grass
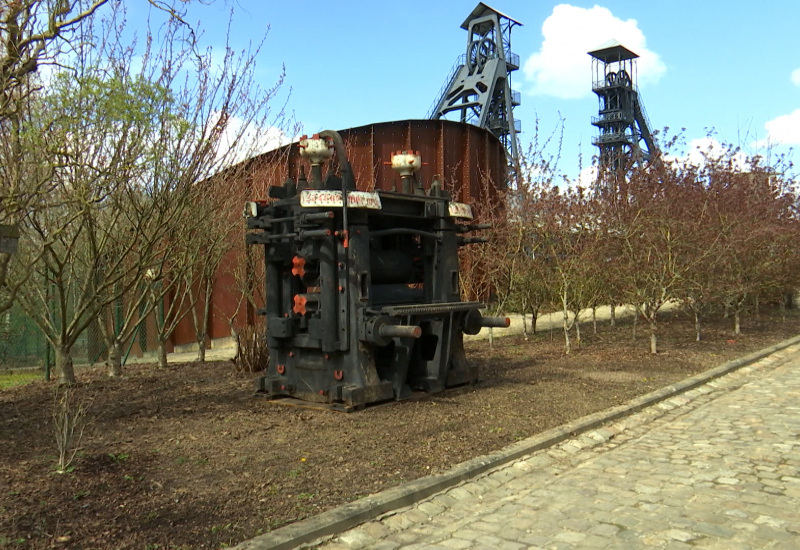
{"x": 119, "y": 457}
{"x": 8, "y": 380}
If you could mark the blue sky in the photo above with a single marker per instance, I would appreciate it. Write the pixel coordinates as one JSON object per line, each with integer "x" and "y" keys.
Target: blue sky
{"x": 728, "y": 65}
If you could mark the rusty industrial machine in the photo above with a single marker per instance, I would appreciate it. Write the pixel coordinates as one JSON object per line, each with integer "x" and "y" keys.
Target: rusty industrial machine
{"x": 362, "y": 287}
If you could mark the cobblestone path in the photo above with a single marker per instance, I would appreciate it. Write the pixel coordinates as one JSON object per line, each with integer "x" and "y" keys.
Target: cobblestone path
{"x": 716, "y": 467}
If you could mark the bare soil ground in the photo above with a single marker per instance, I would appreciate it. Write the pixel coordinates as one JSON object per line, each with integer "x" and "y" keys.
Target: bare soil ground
{"x": 186, "y": 457}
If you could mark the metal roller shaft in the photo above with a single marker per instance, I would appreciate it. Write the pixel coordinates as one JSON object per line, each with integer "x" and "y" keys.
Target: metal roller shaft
{"x": 400, "y": 331}
{"x": 497, "y": 322}
{"x": 473, "y": 322}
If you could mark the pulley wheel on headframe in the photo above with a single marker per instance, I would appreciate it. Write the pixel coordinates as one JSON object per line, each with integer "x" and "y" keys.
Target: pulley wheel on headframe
{"x": 480, "y": 51}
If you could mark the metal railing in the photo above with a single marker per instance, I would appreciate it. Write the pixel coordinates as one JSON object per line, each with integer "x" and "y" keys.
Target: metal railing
{"x": 612, "y": 137}
{"x": 612, "y": 117}
{"x": 643, "y": 111}
{"x": 512, "y": 61}
{"x": 460, "y": 62}
{"x": 602, "y": 85}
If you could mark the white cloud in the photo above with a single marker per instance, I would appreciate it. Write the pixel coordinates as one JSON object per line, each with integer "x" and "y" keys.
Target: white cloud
{"x": 701, "y": 148}
{"x": 588, "y": 177}
{"x": 240, "y": 141}
{"x": 709, "y": 148}
{"x": 785, "y": 129}
{"x": 796, "y": 77}
{"x": 562, "y": 68}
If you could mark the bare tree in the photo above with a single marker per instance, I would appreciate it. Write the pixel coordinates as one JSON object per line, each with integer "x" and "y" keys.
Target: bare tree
{"x": 130, "y": 148}
{"x": 653, "y": 242}
{"x": 569, "y": 235}
{"x": 756, "y": 220}
{"x": 77, "y": 244}
{"x": 33, "y": 33}
{"x": 220, "y": 206}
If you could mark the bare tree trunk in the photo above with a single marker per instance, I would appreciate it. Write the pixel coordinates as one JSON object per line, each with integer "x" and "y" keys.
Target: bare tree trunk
{"x": 653, "y": 338}
{"x": 594, "y": 319}
{"x": 577, "y": 330}
{"x": 757, "y": 304}
{"x": 64, "y": 367}
{"x": 697, "y": 326}
{"x": 635, "y": 322}
{"x": 565, "y": 310}
{"x": 111, "y": 340}
{"x": 5, "y": 259}
{"x": 524, "y": 325}
{"x": 200, "y": 332}
{"x": 114, "y": 361}
{"x": 162, "y": 354}
{"x": 201, "y": 350}
{"x": 737, "y": 322}
{"x": 237, "y": 342}
{"x": 650, "y": 314}
{"x": 534, "y": 318}
{"x": 613, "y": 315}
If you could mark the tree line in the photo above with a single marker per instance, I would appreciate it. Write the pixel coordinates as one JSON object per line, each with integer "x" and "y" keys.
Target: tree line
{"x": 718, "y": 237}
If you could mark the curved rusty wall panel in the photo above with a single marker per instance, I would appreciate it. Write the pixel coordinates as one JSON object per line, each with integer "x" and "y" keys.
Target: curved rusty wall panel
{"x": 468, "y": 160}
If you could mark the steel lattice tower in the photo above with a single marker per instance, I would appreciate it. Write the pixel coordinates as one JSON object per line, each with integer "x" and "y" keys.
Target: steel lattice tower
{"x": 478, "y": 87}
{"x": 624, "y": 129}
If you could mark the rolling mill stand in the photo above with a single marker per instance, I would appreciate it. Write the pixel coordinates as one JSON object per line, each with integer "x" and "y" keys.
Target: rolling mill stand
{"x": 362, "y": 288}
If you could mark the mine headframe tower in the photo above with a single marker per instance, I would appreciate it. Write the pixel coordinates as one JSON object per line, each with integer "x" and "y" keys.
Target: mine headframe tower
{"x": 478, "y": 88}
{"x": 625, "y": 135}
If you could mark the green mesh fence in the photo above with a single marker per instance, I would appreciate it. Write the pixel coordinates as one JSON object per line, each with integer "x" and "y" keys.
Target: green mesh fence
{"x": 21, "y": 342}
{"x": 23, "y": 345}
